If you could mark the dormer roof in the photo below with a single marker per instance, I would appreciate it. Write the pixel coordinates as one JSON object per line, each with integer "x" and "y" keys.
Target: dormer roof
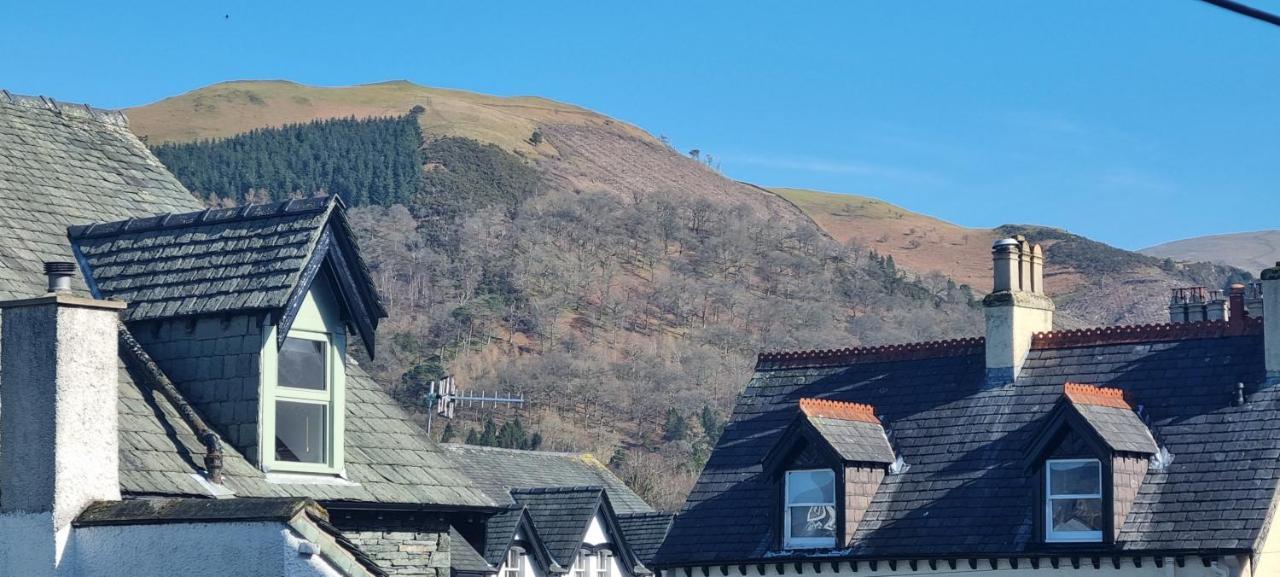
{"x": 252, "y": 258}
{"x": 1111, "y": 418}
{"x": 851, "y": 430}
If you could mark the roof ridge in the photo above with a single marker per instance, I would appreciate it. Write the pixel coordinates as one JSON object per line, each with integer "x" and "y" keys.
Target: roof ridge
{"x": 175, "y": 220}
{"x": 74, "y": 109}
{"x": 464, "y": 446}
{"x": 560, "y": 489}
{"x": 1155, "y": 332}
{"x": 905, "y": 351}
{"x": 1083, "y": 394}
{"x": 842, "y": 410}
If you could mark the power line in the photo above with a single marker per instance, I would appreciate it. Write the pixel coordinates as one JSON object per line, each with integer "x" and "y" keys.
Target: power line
{"x": 1239, "y": 8}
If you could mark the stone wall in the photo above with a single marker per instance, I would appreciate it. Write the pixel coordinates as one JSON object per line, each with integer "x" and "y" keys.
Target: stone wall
{"x": 214, "y": 362}
{"x": 404, "y": 544}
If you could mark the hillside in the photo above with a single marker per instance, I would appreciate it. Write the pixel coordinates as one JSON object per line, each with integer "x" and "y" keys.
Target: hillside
{"x": 1092, "y": 283}
{"x": 624, "y": 287}
{"x": 1251, "y": 251}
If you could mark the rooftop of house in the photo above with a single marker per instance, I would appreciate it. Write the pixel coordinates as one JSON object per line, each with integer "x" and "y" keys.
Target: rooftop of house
{"x": 72, "y": 166}
{"x": 497, "y": 471}
{"x": 966, "y": 491}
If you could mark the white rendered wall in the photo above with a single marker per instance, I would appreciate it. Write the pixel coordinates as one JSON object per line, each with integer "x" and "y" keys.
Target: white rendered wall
{"x": 260, "y": 549}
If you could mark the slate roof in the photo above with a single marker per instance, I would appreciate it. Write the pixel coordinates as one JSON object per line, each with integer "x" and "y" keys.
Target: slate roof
{"x": 464, "y": 559}
{"x": 66, "y": 164}
{"x": 253, "y": 257}
{"x": 303, "y": 516}
{"x": 63, "y": 165}
{"x": 388, "y": 457}
{"x": 851, "y": 430}
{"x": 967, "y": 491}
{"x": 497, "y": 471}
{"x": 1114, "y": 422}
{"x": 561, "y": 516}
{"x": 644, "y": 532}
{"x": 500, "y": 531}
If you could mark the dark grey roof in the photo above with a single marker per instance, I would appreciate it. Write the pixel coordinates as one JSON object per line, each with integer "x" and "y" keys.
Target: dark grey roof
{"x": 500, "y": 531}
{"x": 66, "y": 164}
{"x": 253, "y": 257}
{"x": 301, "y": 514}
{"x": 203, "y": 262}
{"x": 967, "y": 490}
{"x": 854, "y": 440}
{"x": 63, "y": 165}
{"x": 561, "y": 516}
{"x": 1120, "y": 429}
{"x": 464, "y": 559}
{"x": 497, "y": 471}
{"x": 388, "y": 457}
{"x": 152, "y": 511}
{"x": 644, "y": 532}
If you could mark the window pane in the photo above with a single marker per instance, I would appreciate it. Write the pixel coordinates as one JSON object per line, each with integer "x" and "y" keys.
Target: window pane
{"x": 811, "y": 487}
{"x": 813, "y": 522}
{"x": 302, "y": 364}
{"x": 1074, "y": 478}
{"x": 300, "y": 432}
{"x": 1076, "y": 515}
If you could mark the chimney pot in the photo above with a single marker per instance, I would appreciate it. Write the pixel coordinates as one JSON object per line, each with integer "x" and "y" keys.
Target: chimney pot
{"x": 59, "y": 274}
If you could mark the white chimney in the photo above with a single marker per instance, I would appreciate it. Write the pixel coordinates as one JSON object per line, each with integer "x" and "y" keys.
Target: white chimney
{"x": 59, "y": 444}
{"x": 1271, "y": 322}
{"x": 1016, "y": 309}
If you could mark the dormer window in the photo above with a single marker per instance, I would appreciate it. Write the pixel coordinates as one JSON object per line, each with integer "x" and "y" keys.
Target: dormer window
{"x": 810, "y": 509}
{"x": 1091, "y": 457}
{"x": 304, "y": 399}
{"x": 303, "y": 388}
{"x": 515, "y": 563}
{"x": 1073, "y": 500}
{"x": 604, "y": 563}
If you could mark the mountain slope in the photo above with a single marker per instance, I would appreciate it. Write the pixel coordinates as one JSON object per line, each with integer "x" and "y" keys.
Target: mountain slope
{"x": 1251, "y": 251}
{"x": 624, "y": 288}
{"x": 1092, "y": 283}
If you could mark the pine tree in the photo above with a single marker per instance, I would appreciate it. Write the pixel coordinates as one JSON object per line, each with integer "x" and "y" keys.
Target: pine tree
{"x": 676, "y": 427}
{"x": 448, "y": 434}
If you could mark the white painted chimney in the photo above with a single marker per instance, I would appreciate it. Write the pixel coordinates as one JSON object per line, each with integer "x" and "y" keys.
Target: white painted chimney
{"x": 1271, "y": 322}
{"x": 59, "y": 443}
{"x": 1016, "y": 309}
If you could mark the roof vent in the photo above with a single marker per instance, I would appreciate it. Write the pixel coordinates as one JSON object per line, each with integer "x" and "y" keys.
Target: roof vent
{"x": 59, "y": 274}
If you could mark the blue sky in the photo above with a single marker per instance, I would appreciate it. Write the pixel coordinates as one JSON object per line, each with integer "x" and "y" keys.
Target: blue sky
{"x": 1133, "y": 122}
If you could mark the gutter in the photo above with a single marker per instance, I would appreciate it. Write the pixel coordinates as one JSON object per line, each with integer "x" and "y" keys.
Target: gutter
{"x": 138, "y": 359}
{"x": 1094, "y": 557}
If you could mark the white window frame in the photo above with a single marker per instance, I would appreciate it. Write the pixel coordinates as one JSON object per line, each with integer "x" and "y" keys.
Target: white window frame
{"x": 333, "y": 397}
{"x": 580, "y": 564}
{"x": 790, "y": 542}
{"x": 514, "y": 567}
{"x": 604, "y": 563}
{"x": 1052, "y": 536}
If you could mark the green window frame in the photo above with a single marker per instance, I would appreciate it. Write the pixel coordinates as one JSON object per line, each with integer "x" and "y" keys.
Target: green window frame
{"x": 332, "y": 398}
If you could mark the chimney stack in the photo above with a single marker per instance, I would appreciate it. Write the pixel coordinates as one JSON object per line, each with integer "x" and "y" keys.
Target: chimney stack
{"x": 1016, "y": 309}
{"x": 59, "y": 442}
{"x": 1271, "y": 322}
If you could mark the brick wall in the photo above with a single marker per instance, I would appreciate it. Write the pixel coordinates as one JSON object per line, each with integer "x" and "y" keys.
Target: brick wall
{"x": 214, "y": 361}
{"x": 1127, "y": 475}
{"x": 404, "y": 544}
{"x": 860, "y": 485}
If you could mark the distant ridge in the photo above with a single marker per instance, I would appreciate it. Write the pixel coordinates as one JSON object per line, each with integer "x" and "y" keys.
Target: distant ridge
{"x": 1251, "y": 251}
